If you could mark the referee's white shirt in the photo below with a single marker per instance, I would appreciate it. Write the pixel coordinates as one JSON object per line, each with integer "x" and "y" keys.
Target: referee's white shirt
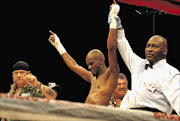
{"x": 157, "y": 87}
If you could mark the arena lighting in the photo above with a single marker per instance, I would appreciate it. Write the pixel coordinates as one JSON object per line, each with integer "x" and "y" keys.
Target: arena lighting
{"x": 153, "y": 13}
{"x": 169, "y": 6}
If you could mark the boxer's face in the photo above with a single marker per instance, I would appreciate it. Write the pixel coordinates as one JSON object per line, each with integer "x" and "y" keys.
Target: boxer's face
{"x": 94, "y": 60}
{"x": 93, "y": 65}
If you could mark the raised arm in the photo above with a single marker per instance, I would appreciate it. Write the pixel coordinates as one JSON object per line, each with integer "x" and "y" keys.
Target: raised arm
{"x": 112, "y": 41}
{"x": 112, "y": 52}
{"x": 70, "y": 62}
{"x": 130, "y": 58}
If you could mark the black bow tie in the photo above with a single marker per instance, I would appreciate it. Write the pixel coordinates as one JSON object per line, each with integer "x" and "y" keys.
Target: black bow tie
{"x": 148, "y": 65}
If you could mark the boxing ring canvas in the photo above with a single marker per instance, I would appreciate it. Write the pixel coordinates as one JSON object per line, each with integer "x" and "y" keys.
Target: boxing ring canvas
{"x": 30, "y": 108}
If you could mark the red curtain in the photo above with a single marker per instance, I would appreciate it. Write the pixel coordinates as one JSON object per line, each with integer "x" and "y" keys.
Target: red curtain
{"x": 168, "y": 6}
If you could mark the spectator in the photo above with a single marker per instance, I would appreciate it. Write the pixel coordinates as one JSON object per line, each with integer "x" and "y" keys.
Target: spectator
{"x": 26, "y": 84}
{"x": 120, "y": 91}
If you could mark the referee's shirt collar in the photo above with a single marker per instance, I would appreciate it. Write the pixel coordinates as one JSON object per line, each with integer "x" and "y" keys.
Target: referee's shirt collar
{"x": 158, "y": 63}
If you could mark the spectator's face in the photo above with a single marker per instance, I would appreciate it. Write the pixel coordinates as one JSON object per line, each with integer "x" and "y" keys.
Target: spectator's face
{"x": 19, "y": 77}
{"x": 122, "y": 87}
{"x": 155, "y": 49}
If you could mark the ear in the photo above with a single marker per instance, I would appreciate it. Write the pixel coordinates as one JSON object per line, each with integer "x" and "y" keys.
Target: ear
{"x": 101, "y": 61}
{"x": 165, "y": 51}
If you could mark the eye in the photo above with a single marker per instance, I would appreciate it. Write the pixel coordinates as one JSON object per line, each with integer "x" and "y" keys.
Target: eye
{"x": 155, "y": 46}
{"x": 124, "y": 83}
{"x": 15, "y": 73}
{"x": 22, "y": 72}
{"x": 148, "y": 45}
{"x": 91, "y": 63}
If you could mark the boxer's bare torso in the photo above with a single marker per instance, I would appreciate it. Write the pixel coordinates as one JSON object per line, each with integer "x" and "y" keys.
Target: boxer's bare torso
{"x": 101, "y": 89}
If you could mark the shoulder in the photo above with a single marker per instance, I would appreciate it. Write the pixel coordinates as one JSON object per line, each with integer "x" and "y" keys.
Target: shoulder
{"x": 168, "y": 69}
{"x": 110, "y": 74}
{"x": 164, "y": 68}
{"x": 170, "y": 77}
{"x": 169, "y": 74}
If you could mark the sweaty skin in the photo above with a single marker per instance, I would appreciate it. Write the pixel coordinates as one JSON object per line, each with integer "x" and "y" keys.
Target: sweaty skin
{"x": 103, "y": 80}
{"x": 156, "y": 49}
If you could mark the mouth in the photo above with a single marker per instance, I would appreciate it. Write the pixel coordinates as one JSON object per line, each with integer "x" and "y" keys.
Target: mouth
{"x": 149, "y": 55}
{"x": 121, "y": 90}
{"x": 19, "y": 79}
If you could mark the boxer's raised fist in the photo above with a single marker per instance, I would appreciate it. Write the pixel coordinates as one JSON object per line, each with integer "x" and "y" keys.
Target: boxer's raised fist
{"x": 115, "y": 8}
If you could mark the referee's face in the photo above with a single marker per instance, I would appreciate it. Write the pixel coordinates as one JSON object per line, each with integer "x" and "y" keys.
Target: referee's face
{"x": 155, "y": 49}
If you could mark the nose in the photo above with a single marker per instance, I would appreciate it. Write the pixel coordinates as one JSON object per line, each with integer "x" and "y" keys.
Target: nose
{"x": 121, "y": 86}
{"x": 19, "y": 75}
{"x": 89, "y": 67}
{"x": 149, "y": 49}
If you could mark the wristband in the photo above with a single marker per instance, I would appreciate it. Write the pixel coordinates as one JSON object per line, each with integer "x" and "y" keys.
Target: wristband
{"x": 60, "y": 48}
{"x": 113, "y": 24}
{"x": 113, "y": 13}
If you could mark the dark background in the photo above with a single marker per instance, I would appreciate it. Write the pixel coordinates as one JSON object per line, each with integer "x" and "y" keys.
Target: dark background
{"x": 82, "y": 26}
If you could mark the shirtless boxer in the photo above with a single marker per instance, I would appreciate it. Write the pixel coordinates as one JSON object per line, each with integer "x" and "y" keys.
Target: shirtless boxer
{"x": 103, "y": 80}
